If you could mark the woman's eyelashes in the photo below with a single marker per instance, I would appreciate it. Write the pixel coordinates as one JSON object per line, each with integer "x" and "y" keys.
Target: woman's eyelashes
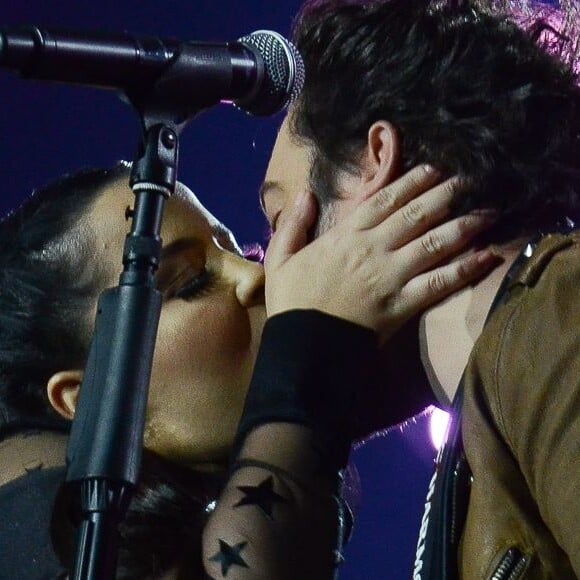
{"x": 198, "y": 285}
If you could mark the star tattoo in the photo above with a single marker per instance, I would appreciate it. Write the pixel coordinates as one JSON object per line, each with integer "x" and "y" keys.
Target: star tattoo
{"x": 229, "y": 556}
{"x": 263, "y": 496}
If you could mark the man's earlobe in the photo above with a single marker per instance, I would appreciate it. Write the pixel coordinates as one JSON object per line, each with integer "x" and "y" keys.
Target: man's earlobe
{"x": 63, "y": 391}
{"x": 380, "y": 164}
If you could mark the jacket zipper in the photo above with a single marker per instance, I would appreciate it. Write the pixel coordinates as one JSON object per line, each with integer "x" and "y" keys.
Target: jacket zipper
{"x": 511, "y": 566}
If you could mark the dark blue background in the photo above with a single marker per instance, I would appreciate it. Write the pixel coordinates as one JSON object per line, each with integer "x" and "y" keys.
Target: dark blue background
{"x": 50, "y": 129}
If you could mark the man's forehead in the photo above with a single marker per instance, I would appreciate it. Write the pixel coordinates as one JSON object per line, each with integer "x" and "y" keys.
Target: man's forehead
{"x": 289, "y": 166}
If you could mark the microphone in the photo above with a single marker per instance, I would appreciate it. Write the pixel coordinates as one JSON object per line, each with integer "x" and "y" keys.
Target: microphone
{"x": 261, "y": 73}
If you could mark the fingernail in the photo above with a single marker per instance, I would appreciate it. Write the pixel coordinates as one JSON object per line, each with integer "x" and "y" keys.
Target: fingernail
{"x": 486, "y": 214}
{"x": 430, "y": 169}
{"x": 488, "y": 258}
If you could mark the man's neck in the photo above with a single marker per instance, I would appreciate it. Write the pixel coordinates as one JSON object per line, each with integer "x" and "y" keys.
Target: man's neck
{"x": 449, "y": 330}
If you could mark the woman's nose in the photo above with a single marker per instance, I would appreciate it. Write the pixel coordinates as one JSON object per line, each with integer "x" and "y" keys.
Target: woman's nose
{"x": 250, "y": 283}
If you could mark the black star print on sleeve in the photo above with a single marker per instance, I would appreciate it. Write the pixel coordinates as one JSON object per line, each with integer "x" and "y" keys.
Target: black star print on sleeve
{"x": 263, "y": 496}
{"x": 229, "y": 556}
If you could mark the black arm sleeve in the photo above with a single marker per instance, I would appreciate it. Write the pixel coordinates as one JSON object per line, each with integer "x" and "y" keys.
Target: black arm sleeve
{"x": 309, "y": 369}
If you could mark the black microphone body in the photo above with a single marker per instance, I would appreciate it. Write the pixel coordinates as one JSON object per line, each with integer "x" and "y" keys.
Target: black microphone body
{"x": 259, "y": 73}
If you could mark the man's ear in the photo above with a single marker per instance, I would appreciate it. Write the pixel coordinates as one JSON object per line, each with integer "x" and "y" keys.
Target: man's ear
{"x": 380, "y": 159}
{"x": 63, "y": 392}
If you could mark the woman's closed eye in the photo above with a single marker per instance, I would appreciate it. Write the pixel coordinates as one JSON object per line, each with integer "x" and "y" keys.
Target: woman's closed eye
{"x": 199, "y": 285}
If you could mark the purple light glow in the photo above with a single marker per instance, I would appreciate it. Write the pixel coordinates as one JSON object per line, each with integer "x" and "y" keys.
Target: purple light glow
{"x": 560, "y": 21}
{"x": 438, "y": 427}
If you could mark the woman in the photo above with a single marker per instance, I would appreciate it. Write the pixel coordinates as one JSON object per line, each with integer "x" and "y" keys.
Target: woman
{"x": 57, "y": 254}
{"x": 60, "y": 251}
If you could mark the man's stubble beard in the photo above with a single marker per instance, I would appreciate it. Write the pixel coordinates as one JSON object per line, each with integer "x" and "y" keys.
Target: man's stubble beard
{"x": 323, "y": 182}
{"x": 400, "y": 370}
{"x": 326, "y": 218}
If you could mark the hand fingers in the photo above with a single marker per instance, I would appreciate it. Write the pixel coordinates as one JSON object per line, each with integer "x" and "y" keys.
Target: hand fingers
{"x": 291, "y": 231}
{"x": 388, "y": 200}
{"x": 433, "y": 286}
{"x": 442, "y": 242}
{"x": 419, "y": 215}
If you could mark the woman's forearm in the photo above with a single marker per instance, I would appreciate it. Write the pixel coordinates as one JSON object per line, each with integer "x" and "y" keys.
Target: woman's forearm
{"x": 279, "y": 516}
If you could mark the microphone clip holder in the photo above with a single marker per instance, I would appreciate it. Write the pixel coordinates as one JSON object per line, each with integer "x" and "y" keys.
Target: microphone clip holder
{"x": 106, "y": 441}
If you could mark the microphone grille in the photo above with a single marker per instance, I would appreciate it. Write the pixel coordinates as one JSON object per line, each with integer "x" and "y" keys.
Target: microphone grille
{"x": 284, "y": 72}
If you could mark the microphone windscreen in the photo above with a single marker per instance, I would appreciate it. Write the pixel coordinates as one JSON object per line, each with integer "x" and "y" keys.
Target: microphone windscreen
{"x": 283, "y": 73}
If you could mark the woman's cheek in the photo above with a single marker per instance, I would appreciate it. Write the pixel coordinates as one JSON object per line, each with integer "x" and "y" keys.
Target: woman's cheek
{"x": 196, "y": 337}
{"x": 220, "y": 328}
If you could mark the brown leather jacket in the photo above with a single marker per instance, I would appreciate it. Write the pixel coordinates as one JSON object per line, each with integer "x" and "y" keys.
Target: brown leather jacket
{"x": 521, "y": 426}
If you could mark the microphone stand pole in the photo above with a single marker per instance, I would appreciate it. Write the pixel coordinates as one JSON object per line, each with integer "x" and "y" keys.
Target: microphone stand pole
{"x": 106, "y": 440}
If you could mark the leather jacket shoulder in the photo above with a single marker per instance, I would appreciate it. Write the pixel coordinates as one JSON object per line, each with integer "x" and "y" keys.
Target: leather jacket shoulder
{"x": 521, "y": 425}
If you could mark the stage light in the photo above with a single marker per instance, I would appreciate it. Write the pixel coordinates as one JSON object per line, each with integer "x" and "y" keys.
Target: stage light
{"x": 438, "y": 427}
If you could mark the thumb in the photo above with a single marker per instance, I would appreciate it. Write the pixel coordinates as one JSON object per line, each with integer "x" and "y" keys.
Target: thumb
{"x": 291, "y": 233}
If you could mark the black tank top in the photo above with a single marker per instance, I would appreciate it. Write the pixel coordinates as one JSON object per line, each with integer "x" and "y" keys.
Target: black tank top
{"x": 25, "y": 511}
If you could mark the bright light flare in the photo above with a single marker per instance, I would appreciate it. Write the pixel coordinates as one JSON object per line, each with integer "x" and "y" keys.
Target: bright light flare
{"x": 438, "y": 427}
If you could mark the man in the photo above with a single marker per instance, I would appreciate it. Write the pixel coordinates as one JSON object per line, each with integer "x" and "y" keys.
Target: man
{"x": 394, "y": 83}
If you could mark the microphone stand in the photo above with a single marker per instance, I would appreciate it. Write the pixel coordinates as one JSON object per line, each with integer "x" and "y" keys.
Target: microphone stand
{"x": 105, "y": 446}
{"x": 261, "y": 75}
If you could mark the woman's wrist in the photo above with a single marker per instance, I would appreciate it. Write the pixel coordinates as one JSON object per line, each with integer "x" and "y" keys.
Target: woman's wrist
{"x": 309, "y": 369}
{"x": 291, "y": 449}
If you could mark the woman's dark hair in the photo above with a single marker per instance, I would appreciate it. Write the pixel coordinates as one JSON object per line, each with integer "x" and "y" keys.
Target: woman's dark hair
{"x": 49, "y": 284}
{"x": 163, "y": 526}
{"x": 469, "y": 92}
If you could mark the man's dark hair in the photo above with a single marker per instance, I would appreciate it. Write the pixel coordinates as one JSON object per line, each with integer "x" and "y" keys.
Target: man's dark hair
{"x": 469, "y": 92}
